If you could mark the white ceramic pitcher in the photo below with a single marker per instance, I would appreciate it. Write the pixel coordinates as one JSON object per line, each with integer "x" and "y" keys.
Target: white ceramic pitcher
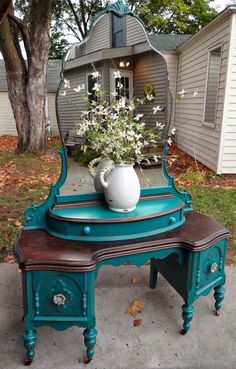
{"x": 122, "y": 187}
{"x": 95, "y": 167}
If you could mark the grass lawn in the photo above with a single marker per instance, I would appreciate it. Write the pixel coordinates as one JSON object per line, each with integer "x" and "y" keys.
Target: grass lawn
{"x": 219, "y": 203}
{"x": 25, "y": 179}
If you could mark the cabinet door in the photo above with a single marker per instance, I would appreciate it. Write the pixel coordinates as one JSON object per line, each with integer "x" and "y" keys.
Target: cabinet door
{"x": 59, "y": 294}
{"x": 211, "y": 267}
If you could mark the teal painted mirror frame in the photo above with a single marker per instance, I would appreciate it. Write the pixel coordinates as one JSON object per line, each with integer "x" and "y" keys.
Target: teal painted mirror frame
{"x": 36, "y": 215}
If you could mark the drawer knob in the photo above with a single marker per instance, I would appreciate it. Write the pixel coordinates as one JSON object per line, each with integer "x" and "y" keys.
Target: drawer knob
{"x": 87, "y": 230}
{"x": 213, "y": 267}
{"x": 172, "y": 220}
{"x": 59, "y": 299}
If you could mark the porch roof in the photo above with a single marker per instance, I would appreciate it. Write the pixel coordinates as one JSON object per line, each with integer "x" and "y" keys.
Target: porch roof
{"x": 53, "y": 75}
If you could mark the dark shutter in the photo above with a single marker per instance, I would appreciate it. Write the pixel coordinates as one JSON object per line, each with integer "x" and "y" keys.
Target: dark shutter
{"x": 118, "y": 32}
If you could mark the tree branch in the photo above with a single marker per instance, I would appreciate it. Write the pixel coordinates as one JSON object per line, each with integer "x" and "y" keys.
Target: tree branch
{"x": 77, "y": 20}
{"x": 24, "y": 32}
{"x": 4, "y": 9}
{"x": 72, "y": 29}
{"x": 15, "y": 36}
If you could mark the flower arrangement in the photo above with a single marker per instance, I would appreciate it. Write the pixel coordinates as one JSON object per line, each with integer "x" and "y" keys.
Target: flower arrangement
{"x": 116, "y": 130}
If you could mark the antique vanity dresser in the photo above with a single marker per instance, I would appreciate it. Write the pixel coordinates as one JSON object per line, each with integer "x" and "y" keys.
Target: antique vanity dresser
{"x": 68, "y": 237}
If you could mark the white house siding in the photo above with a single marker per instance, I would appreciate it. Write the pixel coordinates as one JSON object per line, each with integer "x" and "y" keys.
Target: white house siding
{"x": 134, "y": 31}
{"x": 227, "y": 156}
{"x": 7, "y": 121}
{"x": 193, "y": 136}
{"x": 171, "y": 62}
{"x": 150, "y": 68}
{"x": 71, "y": 105}
{"x": 100, "y": 36}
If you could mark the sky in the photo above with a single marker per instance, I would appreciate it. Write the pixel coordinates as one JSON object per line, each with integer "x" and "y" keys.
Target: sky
{"x": 219, "y": 5}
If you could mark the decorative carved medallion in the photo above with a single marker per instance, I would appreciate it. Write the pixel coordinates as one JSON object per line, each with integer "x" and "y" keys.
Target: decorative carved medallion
{"x": 60, "y": 295}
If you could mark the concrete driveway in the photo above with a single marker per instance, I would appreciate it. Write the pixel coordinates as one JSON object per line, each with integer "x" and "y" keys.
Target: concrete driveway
{"x": 79, "y": 180}
{"x": 156, "y": 343}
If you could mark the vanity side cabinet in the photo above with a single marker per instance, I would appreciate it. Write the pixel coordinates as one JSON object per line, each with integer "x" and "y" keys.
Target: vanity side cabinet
{"x": 58, "y": 299}
{"x": 210, "y": 268}
{"x": 194, "y": 273}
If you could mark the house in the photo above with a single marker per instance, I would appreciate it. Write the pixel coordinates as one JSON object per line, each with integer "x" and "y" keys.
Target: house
{"x": 199, "y": 70}
{"x": 7, "y": 121}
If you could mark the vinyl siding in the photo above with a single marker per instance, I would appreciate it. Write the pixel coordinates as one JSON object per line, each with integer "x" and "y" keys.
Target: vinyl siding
{"x": 193, "y": 136}
{"x": 7, "y": 121}
{"x": 72, "y": 104}
{"x": 227, "y": 162}
{"x": 100, "y": 35}
{"x": 151, "y": 69}
{"x": 134, "y": 31}
{"x": 171, "y": 62}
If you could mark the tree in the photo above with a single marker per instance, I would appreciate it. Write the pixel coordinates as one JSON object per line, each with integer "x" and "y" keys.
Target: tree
{"x": 26, "y": 80}
{"x": 179, "y": 16}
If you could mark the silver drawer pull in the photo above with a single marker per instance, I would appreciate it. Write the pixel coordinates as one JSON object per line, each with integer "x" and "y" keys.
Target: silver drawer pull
{"x": 213, "y": 267}
{"x": 59, "y": 299}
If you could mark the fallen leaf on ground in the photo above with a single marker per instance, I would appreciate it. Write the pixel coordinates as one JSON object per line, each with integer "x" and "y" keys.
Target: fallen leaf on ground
{"x": 137, "y": 322}
{"x": 135, "y": 307}
{"x": 136, "y": 280}
{"x": 9, "y": 259}
{"x": 18, "y": 224}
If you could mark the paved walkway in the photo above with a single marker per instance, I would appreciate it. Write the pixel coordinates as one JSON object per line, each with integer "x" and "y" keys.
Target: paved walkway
{"x": 156, "y": 343}
{"x": 80, "y": 181}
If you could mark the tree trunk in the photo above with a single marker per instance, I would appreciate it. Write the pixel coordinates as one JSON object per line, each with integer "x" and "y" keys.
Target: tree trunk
{"x": 26, "y": 83}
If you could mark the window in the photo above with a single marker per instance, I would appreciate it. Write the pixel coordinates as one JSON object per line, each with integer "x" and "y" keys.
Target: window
{"x": 118, "y": 31}
{"x": 213, "y": 77}
{"x": 122, "y": 86}
{"x": 90, "y": 85}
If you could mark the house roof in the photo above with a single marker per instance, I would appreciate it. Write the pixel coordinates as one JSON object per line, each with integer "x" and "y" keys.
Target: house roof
{"x": 167, "y": 42}
{"x": 53, "y": 75}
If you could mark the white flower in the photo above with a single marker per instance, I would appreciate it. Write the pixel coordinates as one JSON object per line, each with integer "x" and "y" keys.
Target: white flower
{"x": 117, "y": 74}
{"x": 138, "y": 116}
{"x": 63, "y": 93}
{"x": 114, "y": 93}
{"x": 119, "y": 85}
{"x": 169, "y": 141}
{"x": 79, "y": 88}
{"x": 96, "y": 75}
{"x": 149, "y": 97}
{"x": 66, "y": 83}
{"x": 195, "y": 93}
{"x": 173, "y": 130}
{"x": 182, "y": 92}
{"x": 160, "y": 125}
{"x": 96, "y": 87}
{"x": 157, "y": 108}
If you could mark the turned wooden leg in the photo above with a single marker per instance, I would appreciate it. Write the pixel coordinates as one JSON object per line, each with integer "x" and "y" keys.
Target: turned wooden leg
{"x": 219, "y": 297}
{"x": 153, "y": 273}
{"x": 29, "y": 343}
{"x": 187, "y": 315}
{"x": 89, "y": 341}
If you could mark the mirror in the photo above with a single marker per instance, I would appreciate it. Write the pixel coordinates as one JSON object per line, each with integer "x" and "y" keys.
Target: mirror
{"x": 114, "y": 45}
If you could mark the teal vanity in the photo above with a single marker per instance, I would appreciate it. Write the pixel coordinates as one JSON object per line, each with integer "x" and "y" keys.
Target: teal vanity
{"x": 68, "y": 237}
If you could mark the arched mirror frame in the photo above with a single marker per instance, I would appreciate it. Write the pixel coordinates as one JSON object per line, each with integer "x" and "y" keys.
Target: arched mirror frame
{"x": 120, "y": 9}
{"x": 36, "y": 215}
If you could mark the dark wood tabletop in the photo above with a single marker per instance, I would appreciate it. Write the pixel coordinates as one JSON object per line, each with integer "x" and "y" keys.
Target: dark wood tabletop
{"x": 39, "y": 250}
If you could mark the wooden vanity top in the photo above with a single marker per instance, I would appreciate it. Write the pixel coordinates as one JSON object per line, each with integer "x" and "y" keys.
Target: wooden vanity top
{"x": 38, "y": 250}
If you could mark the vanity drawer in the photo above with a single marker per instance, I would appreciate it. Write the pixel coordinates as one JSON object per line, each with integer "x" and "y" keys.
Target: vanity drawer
{"x": 59, "y": 294}
{"x": 211, "y": 266}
